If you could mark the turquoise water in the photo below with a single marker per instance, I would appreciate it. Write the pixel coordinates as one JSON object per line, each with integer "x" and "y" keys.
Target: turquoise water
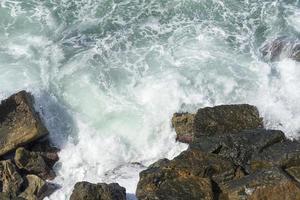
{"x": 108, "y": 75}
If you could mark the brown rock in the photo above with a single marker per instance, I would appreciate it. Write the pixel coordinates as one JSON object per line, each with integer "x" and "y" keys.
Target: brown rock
{"x": 34, "y": 163}
{"x": 37, "y": 188}
{"x": 271, "y": 184}
{"x": 226, "y": 119}
{"x": 184, "y": 125}
{"x": 100, "y": 191}
{"x": 19, "y": 123}
{"x": 185, "y": 177}
{"x": 11, "y": 179}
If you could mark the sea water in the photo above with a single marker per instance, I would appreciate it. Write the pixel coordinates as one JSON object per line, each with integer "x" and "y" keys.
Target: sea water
{"x": 107, "y": 75}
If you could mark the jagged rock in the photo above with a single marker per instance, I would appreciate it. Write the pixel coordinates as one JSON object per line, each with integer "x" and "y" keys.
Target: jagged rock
{"x": 33, "y": 162}
{"x": 11, "y": 179}
{"x": 168, "y": 179}
{"x": 19, "y": 123}
{"x": 37, "y": 188}
{"x": 184, "y": 125}
{"x": 226, "y": 119}
{"x": 284, "y": 154}
{"x": 282, "y": 47}
{"x": 271, "y": 184}
{"x": 294, "y": 172}
{"x": 46, "y": 150}
{"x": 240, "y": 147}
{"x": 100, "y": 191}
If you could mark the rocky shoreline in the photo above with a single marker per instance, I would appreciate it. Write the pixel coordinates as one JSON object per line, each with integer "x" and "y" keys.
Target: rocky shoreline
{"x": 230, "y": 156}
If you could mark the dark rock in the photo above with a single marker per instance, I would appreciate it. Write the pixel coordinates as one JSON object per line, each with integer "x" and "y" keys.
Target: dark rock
{"x": 284, "y": 154}
{"x": 226, "y": 119}
{"x": 46, "y": 150}
{"x": 10, "y": 178}
{"x": 100, "y": 191}
{"x": 19, "y": 123}
{"x": 238, "y": 147}
{"x": 271, "y": 184}
{"x": 184, "y": 125}
{"x": 37, "y": 188}
{"x": 33, "y": 162}
{"x": 185, "y": 177}
{"x": 281, "y": 47}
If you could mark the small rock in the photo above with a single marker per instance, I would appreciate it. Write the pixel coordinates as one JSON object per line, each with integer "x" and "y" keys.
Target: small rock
{"x": 184, "y": 126}
{"x": 34, "y": 163}
{"x": 11, "y": 179}
{"x": 226, "y": 119}
{"x": 19, "y": 123}
{"x": 37, "y": 188}
{"x": 100, "y": 191}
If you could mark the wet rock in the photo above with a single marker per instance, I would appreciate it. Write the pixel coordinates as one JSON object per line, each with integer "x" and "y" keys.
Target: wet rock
{"x": 284, "y": 154}
{"x": 271, "y": 184}
{"x": 46, "y": 150}
{"x": 33, "y": 162}
{"x": 19, "y": 123}
{"x": 184, "y": 125}
{"x": 37, "y": 188}
{"x": 281, "y": 47}
{"x": 240, "y": 147}
{"x": 226, "y": 119}
{"x": 100, "y": 191}
{"x": 10, "y": 178}
{"x": 188, "y": 176}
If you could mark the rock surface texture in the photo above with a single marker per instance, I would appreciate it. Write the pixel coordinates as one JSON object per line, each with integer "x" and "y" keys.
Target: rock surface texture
{"x": 231, "y": 157}
{"x": 100, "y": 191}
{"x": 19, "y": 123}
{"x": 24, "y": 177}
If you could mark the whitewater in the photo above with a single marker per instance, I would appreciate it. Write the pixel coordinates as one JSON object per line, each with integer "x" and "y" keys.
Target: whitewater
{"x": 107, "y": 75}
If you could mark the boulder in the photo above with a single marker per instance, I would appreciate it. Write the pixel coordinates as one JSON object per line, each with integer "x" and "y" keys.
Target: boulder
{"x": 33, "y": 162}
{"x": 19, "y": 123}
{"x": 240, "y": 147}
{"x": 10, "y": 178}
{"x": 37, "y": 188}
{"x": 271, "y": 184}
{"x": 226, "y": 119}
{"x": 100, "y": 191}
{"x": 184, "y": 126}
{"x": 191, "y": 175}
{"x": 281, "y": 47}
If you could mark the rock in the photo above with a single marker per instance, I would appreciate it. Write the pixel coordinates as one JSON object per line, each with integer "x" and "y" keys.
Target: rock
{"x": 284, "y": 154}
{"x": 185, "y": 177}
{"x": 184, "y": 125}
{"x": 100, "y": 191}
{"x": 37, "y": 188}
{"x": 19, "y": 123}
{"x": 226, "y": 119}
{"x": 11, "y": 179}
{"x": 271, "y": 184}
{"x": 46, "y": 150}
{"x": 240, "y": 147}
{"x": 294, "y": 172}
{"x": 281, "y": 47}
{"x": 33, "y": 162}
{"x": 6, "y": 196}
